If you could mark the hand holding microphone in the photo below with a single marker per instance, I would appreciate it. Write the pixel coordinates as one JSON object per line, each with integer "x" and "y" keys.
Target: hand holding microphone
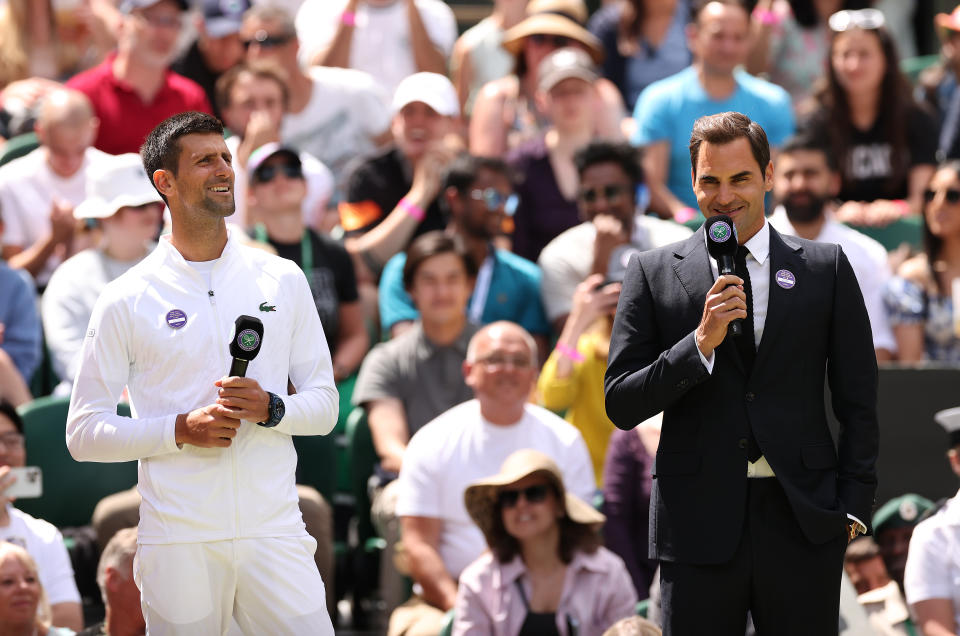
{"x": 726, "y": 303}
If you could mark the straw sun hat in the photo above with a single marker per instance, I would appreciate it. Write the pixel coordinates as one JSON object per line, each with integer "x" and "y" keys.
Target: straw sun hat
{"x": 481, "y": 496}
{"x": 554, "y": 17}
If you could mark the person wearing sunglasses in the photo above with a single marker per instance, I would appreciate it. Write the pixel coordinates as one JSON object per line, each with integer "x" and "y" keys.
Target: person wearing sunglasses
{"x": 546, "y": 572}
{"x": 923, "y": 299}
{"x": 133, "y": 89}
{"x": 884, "y": 141}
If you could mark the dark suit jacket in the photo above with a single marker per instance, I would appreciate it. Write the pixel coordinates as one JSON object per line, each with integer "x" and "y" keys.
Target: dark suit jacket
{"x": 700, "y": 484}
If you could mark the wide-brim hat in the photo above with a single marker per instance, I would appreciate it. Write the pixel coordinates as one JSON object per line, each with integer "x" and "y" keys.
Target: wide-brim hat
{"x": 551, "y": 24}
{"x": 114, "y": 183}
{"x": 949, "y": 21}
{"x": 480, "y": 497}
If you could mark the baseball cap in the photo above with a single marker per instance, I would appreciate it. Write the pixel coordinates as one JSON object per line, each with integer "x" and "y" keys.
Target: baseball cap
{"x": 223, "y": 17}
{"x": 433, "y": 89}
{"x": 129, "y": 5}
{"x": 563, "y": 64}
{"x": 264, "y": 152}
{"x": 114, "y": 183}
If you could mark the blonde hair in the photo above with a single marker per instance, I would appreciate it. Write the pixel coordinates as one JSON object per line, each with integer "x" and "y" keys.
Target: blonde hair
{"x": 633, "y": 626}
{"x": 7, "y": 549}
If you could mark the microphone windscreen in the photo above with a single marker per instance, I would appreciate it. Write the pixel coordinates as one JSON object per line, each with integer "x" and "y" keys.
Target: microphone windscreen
{"x": 721, "y": 236}
{"x": 247, "y": 338}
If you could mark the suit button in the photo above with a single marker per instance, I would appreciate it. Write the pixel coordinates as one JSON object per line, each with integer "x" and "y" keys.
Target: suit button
{"x": 743, "y": 443}
{"x": 750, "y": 396}
{"x": 682, "y": 384}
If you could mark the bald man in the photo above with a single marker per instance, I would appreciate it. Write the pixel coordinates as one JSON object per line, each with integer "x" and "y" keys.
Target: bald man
{"x": 39, "y": 191}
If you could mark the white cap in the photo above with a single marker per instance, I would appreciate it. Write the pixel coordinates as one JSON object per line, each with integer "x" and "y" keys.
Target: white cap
{"x": 433, "y": 89}
{"x": 949, "y": 419}
{"x": 114, "y": 183}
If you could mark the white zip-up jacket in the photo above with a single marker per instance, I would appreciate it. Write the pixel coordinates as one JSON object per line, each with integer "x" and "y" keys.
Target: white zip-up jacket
{"x": 193, "y": 494}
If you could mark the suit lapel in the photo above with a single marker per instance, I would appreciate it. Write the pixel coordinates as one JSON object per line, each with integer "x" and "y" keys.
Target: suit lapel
{"x": 785, "y": 254}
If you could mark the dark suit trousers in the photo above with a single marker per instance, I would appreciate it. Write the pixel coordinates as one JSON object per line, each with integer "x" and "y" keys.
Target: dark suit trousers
{"x": 790, "y": 585}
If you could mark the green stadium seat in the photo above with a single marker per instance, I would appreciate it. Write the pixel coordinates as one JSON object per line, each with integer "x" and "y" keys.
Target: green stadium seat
{"x": 447, "y": 628}
{"x": 18, "y": 146}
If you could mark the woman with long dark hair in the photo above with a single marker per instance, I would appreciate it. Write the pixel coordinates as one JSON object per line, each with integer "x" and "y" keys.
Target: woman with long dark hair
{"x": 922, "y": 298}
{"x": 884, "y": 141}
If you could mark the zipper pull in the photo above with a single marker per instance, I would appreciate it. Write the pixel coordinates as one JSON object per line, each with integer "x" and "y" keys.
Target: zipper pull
{"x": 213, "y": 301}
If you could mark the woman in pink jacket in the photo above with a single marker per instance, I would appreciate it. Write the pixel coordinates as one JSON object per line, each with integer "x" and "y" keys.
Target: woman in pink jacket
{"x": 546, "y": 572}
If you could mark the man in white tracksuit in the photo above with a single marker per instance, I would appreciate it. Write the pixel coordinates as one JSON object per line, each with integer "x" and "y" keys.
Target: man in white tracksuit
{"x": 220, "y": 532}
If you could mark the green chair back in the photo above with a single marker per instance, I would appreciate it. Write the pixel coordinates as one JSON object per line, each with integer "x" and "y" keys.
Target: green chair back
{"x": 19, "y": 146}
{"x": 317, "y": 463}
{"x": 71, "y": 489}
{"x": 447, "y": 628}
{"x": 363, "y": 458}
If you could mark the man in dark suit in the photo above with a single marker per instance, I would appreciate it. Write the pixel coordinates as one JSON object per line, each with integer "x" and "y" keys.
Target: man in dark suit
{"x": 752, "y": 505}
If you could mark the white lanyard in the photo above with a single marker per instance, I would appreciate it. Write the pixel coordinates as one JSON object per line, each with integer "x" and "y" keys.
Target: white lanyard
{"x": 481, "y": 290}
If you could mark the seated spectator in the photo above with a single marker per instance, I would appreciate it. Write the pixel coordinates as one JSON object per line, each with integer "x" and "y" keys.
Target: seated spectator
{"x": 393, "y": 195}
{"x": 277, "y": 190}
{"x": 930, "y": 578}
{"x": 884, "y": 142}
{"x": 893, "y": 525}
{"x": 879, "y": 596}
{"x": 38, "y": 191}
{"x": 390, "y": 39}
{"x": 40, "y": 539}
{"x": 920, "y": 299}
{"x": 805, "y": 186}
{"x": 643, "y": 41}
{"x": 217, "y": 47}
{"x": 128, "y": 210}
{"x": 253, "y": 98}
{"x": 479, "y": 57}
{"x": 134, "y": 89}
{"x": 20, "y": 336}
{"x": 713, "y": 83}
{"x": 334, "y": 114}
{"x": 609, "y": 175}
{"x": 120, "y": 593}
{"x": 627, "y": 482}
{"x": 546, "y": 571}
{"x": 476, "y": 193}
{"x": 505, "y": 113}
{"x": 23, "y": 600}
{"x": 466, "y": 443}
{"x": 937, "y": 84}
{"x": 546, "y": 177}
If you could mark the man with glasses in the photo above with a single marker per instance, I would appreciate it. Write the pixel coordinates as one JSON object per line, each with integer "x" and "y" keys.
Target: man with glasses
{"x": 464, "y": 444}
{"x": 478, "y": 196}
{"x": 41, "y": 539}
{"x": 610, "y": 175}
{"x": 134, "y": 89}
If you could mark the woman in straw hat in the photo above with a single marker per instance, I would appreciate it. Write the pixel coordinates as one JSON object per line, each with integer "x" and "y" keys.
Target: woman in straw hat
{"x": 23, "y": 603}
{"x": 545, "y": 572}
{"x": 505, "y": 113}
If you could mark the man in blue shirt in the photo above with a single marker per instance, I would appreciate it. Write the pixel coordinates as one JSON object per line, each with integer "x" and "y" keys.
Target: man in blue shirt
{"x": 666, "y": 110}
{"x": 476, "y": 193}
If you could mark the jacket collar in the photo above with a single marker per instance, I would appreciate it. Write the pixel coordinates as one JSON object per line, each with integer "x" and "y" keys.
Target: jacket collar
{"x": 172, "y": 258}
{"x": 582, "y": 561}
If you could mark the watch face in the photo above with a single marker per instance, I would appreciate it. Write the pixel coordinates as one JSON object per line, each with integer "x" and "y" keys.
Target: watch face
{"x": 277, "y": 409}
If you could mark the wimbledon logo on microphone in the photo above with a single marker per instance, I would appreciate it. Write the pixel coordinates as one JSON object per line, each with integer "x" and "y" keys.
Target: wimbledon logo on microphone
{"x": 248, "y": 340}
{"x": 720, "y": 232}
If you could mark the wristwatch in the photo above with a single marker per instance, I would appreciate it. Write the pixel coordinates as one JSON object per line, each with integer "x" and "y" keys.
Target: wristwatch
{"x": 276, "y": 409}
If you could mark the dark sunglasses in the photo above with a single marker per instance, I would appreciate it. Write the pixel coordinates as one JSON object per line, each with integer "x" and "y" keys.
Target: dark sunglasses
{"x": 266, "y": 41}
{"x": 533, "y": 494}
{"x": 559, "y": 41}
{"x": 867, "y": 19}
{"x": 950, "y": 195}
{"x": 607, "y": 192}
{"x": 266, "y": 174}
{"x": 493, "y": 199}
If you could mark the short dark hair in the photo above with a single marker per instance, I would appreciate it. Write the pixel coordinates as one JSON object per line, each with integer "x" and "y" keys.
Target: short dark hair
{"x": 7, "y": 409}
{"x": 724, "y": 128}
{"x": 804, "y": 142}
{"x": 463, "y": 170}
{"x": 260, "y": 69}
{"x": 161, "y": 150}
{"x": 433, "y": 244}
{"x": 620, "y": 153}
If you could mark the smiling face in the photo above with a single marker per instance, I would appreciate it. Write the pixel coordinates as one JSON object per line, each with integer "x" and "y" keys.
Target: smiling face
{"x": 942, "y": 216}
{"x": 503, "y": 369}
{"x": 858, "y": 61}
{"x": 19, "y": 590}
{"x": 150, "y": 34}
{"x": 528, "y": 520}
{"x": 605, "y": 188}
{"x": 202, "y": 186}
{"x": 285, "y": 189}
{"x": 471, "y": 210}
{"x": 416, "y": 126}
{"x": 729, "y": 181}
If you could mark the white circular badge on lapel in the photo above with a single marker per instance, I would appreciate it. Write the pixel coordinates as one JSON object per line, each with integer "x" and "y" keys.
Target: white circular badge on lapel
{"x": 786, "y": 279}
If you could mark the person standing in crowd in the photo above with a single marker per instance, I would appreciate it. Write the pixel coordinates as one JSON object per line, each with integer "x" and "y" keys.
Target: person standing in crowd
{"x": 921, "y": 298}
{"x": 643, "y": 41}
{"x": 389, "y": 39}
{"x": 546, "y": 571}
{"x": 930, "y": 578}
{"x": 39, "y": 191}
{"x": 466, "y": 443}
{"x": 118, "y": 588}
{"x": 884, "y": 142}
{"x": 805, "y": 184}
{"x": 122, "y": 201}
{"x": 744, "y": 450}
{"x": 214, "y": 541}
{"x": 476, "y": 193}
{"x": 666, "y": 110}
{"x": 134, "y": 89}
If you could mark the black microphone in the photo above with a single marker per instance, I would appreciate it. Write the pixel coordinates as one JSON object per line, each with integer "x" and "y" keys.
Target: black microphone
{"x": 722, "y": 245}
{"x": 247, "y": 338}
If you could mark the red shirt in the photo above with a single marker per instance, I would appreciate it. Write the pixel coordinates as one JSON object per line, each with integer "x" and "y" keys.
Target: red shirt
{"x": 125, "y": 119}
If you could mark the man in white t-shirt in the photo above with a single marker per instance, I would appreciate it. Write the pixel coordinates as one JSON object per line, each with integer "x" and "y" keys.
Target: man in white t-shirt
{"x": 464, "y": 444}
{"x": 335, "y": 114}
{"x": 390, "y": 39}
{"x": 805, "y": 182}
{"x": 41, "y": 539}
{"x": 38, "y": 191}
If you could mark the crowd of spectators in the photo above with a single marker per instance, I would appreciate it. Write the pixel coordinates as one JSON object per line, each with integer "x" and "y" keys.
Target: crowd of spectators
{"x": 463, "y": 206}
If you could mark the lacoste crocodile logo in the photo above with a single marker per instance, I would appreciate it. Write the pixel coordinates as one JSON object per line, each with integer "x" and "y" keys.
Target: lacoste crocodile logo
{"x": 265, "y": 307}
